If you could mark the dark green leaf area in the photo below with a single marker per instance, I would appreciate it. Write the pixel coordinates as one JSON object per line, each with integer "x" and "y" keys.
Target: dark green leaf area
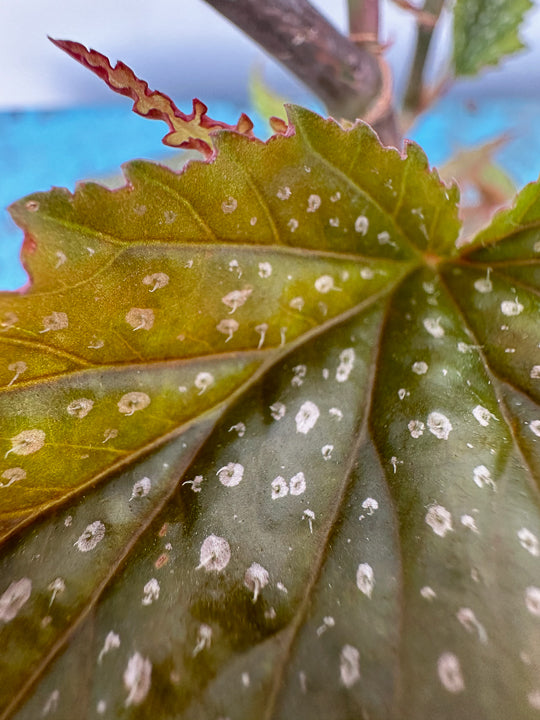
{"x": 215, "y": 594}
{"x": 502, "y": 315}
{"x": 61, "y": 564}
{"x": 512, "y": 235}
{"x": 485, "y": 31}
{"x": 463, "y": 496}
{"x": 87, "y": 421}
{"x": 352, "y": 623}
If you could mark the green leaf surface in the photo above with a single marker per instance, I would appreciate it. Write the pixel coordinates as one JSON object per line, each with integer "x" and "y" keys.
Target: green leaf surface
{"x": 485, "y": 32}
{"x": 270, "y": 444}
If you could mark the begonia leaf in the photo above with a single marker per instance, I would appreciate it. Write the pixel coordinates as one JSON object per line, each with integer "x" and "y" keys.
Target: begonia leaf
{"x": 270, "y": 443}
{"x": 485, "y": 32}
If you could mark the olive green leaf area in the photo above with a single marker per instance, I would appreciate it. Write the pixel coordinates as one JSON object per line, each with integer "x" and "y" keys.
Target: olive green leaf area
{"x": 269, "y": 443}
{"x": 485, "y": 31}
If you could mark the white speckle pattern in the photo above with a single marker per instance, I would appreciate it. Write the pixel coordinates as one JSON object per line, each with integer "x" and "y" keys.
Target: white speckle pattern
{"x": 416, "y": 428}
{"x": 299, "y": 373}
{"x": 265, "y": 270}
{"x": 132, "y": 402}
{"x": 215, "y": 554}
{"x": 231, "y": 474}
{"x": 195, "y": 483}
{"x": 428, "y": 593}
{"x": 27, "y": 442}
{"x": 434, "y": 327}
{"x": 365, "y": 579}
{"x": 361, "y": 224}
{"x": 468, "y": 619}
{"x": 532, "y": 600}
{"x": 80, "y": 408}
{"x": 511, "y": 307}
{"x": 261, "y": 329}
{"x": 12, "y": 475}
{"x": 58, "y": 585}
{"x": 137, "y": 679}
{"x": 482, "y": 477}
{"x": 255, "y": 579}
{"x": 140, "y": 318}
{"x": 203, "y": 381}
{"x": 297, "y": 303}
{"x": 534, "y": 427}
{"x": 279, "y": 487}
{"x": 349, "y": 666}
{"x": 483, "y": 285}
{"x": 482, "y": 415}
{"x": 469, "y": 522}
{"x": 314, "y": 203}
{"x": 284, "y": 193}
{"x": 13, "y": 599}
{"x": 236, "y": 298}
{"x": 328, "y": 622}
{"x": 94, "y": 534}
{"x": 346, "y": 364}
{"x": 229, "y": 206}
{"x": 309, "y": 515}
{"x": 336, "y": 412}
{"x": 534, "y": 699}
{"x": 51, "y": 705}
{"x": 156, "y": 280}
{"x": 278, "y": 410}
{"x": 324, "y": 284}
{"x": 439, "y": 520}
{"x": 151, "y": 592}
{"x": 18, "y": 368}
{"x": 535, "y": 372}
{"x": 239, "y": 428}
{"x": 204, "y": 639}
{"x": 439, "y": 425}
{"x": 420, "y": 368}
{"x": 101, "y": 707}
{"x": 370, "y": 504}
{"x": 141, "y": 488}
{"x": 449, "y": 671}
{"x": 292, "y": 224}
{"x": 306, "y": 417}
{"x": 55, "y": 321}
{"x": 529, "y": 541}
{"x": 297, "y": 484}
{"x": 326, "y": 451}
{"x": 227, "y": 326}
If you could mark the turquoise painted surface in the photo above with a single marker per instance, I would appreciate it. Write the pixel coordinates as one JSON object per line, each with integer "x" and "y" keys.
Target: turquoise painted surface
{"x": 38, "y": 150}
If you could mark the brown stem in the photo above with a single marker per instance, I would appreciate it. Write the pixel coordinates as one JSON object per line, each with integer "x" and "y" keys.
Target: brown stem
{"x": 413, "y": 100}
{"x": 364, "y": 18}
{"x": 346, "y": 77}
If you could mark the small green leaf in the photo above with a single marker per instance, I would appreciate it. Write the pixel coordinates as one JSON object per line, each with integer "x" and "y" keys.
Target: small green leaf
{"x": 485, "y": 31}
{"x": 270, "y": 443}
{"x": 266, "y": 101}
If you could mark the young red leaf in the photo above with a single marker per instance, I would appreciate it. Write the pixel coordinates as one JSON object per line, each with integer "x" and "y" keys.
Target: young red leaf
{"x": 186, "y": 131}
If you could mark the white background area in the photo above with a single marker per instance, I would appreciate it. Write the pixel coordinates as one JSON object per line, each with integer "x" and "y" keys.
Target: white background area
{"x": 185, "y": 48}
